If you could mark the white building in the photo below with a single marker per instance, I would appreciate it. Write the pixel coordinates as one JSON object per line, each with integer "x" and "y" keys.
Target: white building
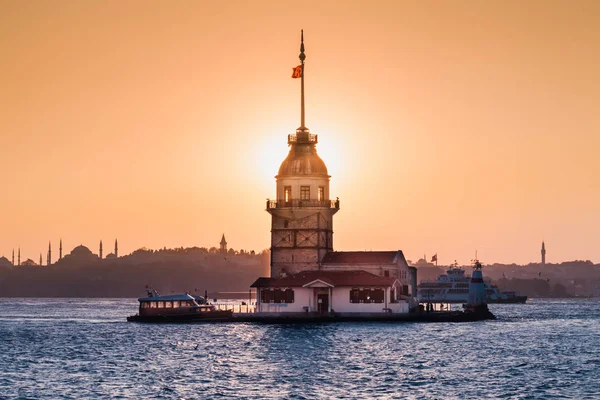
{"x": 306, "y": 274}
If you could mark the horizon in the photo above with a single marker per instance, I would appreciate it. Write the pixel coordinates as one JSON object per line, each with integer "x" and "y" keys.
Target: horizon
{"x": 446, "y": 130}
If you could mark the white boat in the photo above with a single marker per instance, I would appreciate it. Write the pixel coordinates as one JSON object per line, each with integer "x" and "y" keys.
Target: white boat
{"x": 453, "y": 287}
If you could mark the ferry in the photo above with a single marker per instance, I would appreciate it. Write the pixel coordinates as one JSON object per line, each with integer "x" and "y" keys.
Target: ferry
{"x": 453, "y": 287}
{"x": 177, "y": 308}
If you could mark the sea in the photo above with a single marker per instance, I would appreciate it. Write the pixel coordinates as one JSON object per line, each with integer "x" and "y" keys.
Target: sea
{"x": 85, "y": 349}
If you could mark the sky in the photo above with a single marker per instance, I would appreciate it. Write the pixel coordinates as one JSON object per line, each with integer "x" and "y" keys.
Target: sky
{"x": 448, "y": 127}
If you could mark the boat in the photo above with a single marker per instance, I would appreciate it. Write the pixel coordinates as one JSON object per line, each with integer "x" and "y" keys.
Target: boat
{"x": 453, "y": 287}
{"x": 177, "y": 308}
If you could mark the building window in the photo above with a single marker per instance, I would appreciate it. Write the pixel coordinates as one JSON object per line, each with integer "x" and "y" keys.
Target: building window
{"x": 168, "y": 304}
{"x": 321, "y": 195}
{"x": 354, "y": 295}
{"x": 304, "y": 192}
{"x": 277, "y": 296}
{"x": 287, "y": 194}
{"x": 386, "y": 273}
{"x": 377, "y": 295}
{"x": 286, "y": 223}
{"x": 289, "y": 296}
{"x": 367, "y": 295}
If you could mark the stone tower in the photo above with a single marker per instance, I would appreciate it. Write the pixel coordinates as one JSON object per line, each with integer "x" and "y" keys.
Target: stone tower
{"x": 543, "y": 253}
{"x": 302, "y": 214}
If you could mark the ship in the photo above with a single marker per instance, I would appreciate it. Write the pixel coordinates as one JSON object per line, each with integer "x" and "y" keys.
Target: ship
{"x": 453, "y": 287}
{"x": 177, "y": 308}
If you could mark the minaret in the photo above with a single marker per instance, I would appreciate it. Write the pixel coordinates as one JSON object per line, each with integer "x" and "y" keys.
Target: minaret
{"x": 60, "y": 250}
{"x": 302, "y": 214}
{"x": 49, "y": 261}
{"x": 19, "y": 257}
{"x": 223, "y": 244}
{"x": 40, "y": 259}
{"x": 116, "y": 249}
{"x": 100, "y": 249}
{"x": 543, "y": 253}
{"x": 13, "y": 258}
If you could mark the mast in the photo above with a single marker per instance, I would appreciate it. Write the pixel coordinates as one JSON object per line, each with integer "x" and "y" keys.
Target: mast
{"x": 302, "y": 58}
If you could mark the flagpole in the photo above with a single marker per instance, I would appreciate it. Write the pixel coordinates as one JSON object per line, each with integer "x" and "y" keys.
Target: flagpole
{"x": 302, "y": 58}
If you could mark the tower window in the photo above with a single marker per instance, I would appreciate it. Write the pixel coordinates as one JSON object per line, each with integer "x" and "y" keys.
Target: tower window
{"x": 287, "y": 194}
{"x": 304, "y": 192}
{"x": 321, "y": 195}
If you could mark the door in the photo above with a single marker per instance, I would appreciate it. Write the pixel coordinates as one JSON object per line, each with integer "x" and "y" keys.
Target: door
{"x": 322, "y": 303}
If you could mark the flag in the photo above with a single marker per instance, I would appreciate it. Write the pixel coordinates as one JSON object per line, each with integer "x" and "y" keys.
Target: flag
{"x": 297, "y": 72}
{"x": 434, "y": 258}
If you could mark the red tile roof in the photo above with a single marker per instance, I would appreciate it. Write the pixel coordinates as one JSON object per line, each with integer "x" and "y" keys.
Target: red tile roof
{"x": 362, "y": 257}
{"x": 335, "y": 278}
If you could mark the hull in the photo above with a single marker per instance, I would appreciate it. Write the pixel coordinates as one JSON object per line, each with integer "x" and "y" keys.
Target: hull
{"x": 511, "y": 300}
{"x": 213, "y": 316}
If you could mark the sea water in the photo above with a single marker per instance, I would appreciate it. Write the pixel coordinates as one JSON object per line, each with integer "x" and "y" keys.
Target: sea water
{"x": 84, "y": 349}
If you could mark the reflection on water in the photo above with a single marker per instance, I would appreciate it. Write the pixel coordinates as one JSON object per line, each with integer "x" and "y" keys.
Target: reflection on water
{"x": 83, "y": 348}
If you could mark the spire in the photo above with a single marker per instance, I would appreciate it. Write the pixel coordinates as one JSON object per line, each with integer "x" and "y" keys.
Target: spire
{"x": 101, "y": 249}
{"x": 13, "y": 258}
{"x": 116, "y": 248}
{"x": 302, "y": 58}
{"x": 60, "y": 250}
{"x": 19, "y": 257}
{"x": 49, "y": 261}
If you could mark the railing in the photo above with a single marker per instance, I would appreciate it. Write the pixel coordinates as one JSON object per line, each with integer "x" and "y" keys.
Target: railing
{"x": 303, "y": 138}
{"x": 295, "y": 203}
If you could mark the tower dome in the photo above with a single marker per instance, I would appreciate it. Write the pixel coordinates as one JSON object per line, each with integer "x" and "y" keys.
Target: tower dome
{"x": 303, "y": 160}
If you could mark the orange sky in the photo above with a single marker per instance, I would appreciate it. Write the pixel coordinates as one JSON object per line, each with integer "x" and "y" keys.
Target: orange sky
{"x": 447, "y": 126}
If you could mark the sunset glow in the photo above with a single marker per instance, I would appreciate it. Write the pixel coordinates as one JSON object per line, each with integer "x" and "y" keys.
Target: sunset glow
{"x": 447, "y": 127}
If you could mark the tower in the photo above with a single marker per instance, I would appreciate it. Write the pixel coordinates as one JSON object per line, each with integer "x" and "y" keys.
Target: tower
{"x": 13, "y": 258}
{"x": 60, "y": 250}
{"x": 543, "y": 253}
{"x": 19, "y": 257}
{"x": 40, "y": 259}
{"x": 116, "y": 249}
{"x": 223, "y": 245}
{"x": 302, "y": 214}
{"x": 477, "y": 297}
{"x": 100, "y": 252}
{"x": 49, "y": 260}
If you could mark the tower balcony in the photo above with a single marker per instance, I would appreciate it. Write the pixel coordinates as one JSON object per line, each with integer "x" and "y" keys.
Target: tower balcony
{"x": 303, "y": 138}
{"x": 295, "y": 203}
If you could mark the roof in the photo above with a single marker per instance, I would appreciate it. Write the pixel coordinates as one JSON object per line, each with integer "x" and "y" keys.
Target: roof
{"x": 330, "y": 278}
{"x": 362, "y": 257}
{"x": 303, "y": 160}
{"x": 172, "y": 297}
